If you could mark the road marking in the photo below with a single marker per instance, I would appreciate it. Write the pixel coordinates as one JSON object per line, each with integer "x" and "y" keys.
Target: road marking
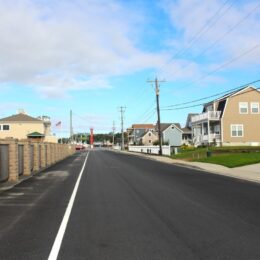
{"x": 6, "y": 197}
{"x": 57, "y": 243}
{"x": 15, "y": 193}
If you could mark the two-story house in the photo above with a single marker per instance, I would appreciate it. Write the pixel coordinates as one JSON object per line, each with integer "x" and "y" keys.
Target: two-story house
{"x": 233, "y": 119}
{"x": 149, "y": 138}
{"x": 137, "y": 131}
{"x": 23, "y": 126}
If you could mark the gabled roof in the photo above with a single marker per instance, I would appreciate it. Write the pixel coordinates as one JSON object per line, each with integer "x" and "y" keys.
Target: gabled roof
{"x": 143, "y": 126}
{"x": 233, "y": 93}
{"x": 20, "y": 118}
{"x": 164, "y": 126}
{"x": 145, "y": 133}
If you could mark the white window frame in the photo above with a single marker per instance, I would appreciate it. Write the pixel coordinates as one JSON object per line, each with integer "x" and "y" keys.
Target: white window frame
{"x": 241, "y": 104}
{"x": 251, "y": 106}
{"x": 236, "y": 126}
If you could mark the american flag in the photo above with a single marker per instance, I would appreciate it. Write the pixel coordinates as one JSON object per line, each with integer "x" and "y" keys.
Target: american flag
{"x": 58, "y": 124}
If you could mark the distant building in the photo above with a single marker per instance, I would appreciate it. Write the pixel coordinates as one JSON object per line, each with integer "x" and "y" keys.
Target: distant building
{"x": 187, "y": 130}
{"x": 171, "y": 134}
{"x": 23, "y": 126}
{"x": 137, "y": 131}
{"x": 148, "y": 138}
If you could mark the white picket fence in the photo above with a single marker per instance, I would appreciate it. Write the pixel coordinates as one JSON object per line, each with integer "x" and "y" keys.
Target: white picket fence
{"x": 166, "y": 150}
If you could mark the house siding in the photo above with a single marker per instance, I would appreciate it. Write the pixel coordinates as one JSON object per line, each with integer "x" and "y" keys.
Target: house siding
{"x": 250, "y": 122}
{"x": 146, "y": 138}
{"x": 173, "y": 136}
{"x": 20, "y": 130}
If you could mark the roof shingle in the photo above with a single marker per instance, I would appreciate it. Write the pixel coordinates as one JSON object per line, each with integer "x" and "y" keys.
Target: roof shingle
{"x": 20, "y": 118}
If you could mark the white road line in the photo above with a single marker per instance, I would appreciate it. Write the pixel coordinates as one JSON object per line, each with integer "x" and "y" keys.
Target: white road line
{"x": 58, "y": 240}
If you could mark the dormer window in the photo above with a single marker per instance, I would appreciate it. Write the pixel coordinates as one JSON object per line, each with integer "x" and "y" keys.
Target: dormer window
{"x": 243, "y": 107}
{"x": 209, "y": 108}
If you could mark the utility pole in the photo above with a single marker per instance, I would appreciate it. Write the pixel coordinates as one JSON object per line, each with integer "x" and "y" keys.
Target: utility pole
{"x": 113, "y": 131}
{"x": 71, "y": 129}
{"x": 157, "y": 93}
{"x": 122, "y": 111}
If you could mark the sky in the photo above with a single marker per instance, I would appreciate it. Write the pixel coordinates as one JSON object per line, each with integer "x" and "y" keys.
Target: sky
{"x": 95, "y": 56}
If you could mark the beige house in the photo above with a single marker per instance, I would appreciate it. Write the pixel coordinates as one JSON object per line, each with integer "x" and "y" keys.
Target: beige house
{"x": 148, "y": 138}
{"x": 136, "y": 132}
{"x": 231, "y": 120}
{"x": 22, "y": 126}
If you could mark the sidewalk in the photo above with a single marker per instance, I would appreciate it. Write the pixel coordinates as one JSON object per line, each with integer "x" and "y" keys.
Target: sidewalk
{"x": 249, "y": 172}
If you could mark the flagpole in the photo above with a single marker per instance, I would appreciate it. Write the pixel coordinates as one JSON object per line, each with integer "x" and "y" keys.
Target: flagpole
{"x": 61, "y": 133}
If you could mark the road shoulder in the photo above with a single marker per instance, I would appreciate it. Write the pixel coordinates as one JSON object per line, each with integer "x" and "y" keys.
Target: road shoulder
{"x": 248, "y": 173}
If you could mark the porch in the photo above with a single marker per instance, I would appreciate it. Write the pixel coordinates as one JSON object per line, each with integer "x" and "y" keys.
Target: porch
{"x": 207, "y": 133}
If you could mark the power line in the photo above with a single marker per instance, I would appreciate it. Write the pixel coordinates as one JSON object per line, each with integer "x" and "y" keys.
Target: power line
{"x": 211, "y": 96}
{"x": 199, "y": 33}
{"x": 224, "y": 65}
{"x": 150, "y": 115}
{"x": 147, "y": 111}
{"x": 201, "y": 104}
{"x": 223, "y": 35}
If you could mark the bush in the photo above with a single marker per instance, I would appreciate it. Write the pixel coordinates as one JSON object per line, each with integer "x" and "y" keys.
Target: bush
{"x": 157, "y": 143}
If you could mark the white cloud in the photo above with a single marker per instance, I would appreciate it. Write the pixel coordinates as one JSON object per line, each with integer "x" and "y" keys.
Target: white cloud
{"x": 232, "y": 27}
{"x": 50, "y": 46}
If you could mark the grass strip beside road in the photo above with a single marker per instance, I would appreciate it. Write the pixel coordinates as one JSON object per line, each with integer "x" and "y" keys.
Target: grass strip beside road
{"x": 229, "y": 157}
{"x": 232, "y": 160}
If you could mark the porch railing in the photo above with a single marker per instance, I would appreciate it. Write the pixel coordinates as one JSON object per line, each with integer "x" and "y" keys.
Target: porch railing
{"x": 209, "y": 115}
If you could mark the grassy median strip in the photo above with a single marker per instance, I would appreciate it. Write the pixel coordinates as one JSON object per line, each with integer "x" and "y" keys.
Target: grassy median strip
{"x": 229, "y": 157}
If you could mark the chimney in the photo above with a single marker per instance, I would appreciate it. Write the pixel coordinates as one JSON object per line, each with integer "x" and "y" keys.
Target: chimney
{"x": 21, "y": 111}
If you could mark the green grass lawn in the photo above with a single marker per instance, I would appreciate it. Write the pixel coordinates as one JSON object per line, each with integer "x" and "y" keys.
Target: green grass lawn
{"x": 232, "y": 159}
{"x": 226, "y": 156}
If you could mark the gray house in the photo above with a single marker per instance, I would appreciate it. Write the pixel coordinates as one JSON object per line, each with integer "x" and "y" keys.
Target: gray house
{"x": 172, "y": 134}
{"x": 137, "y": 131}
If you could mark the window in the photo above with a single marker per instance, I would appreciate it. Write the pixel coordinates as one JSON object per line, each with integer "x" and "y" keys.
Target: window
{"x": 243, "y": 107}
{"x": 149, "y": 134}
{"x": 254, "y": 108}
{"x": 150, "y": 141}
{"x": 209, "y": 108}
{"x": 237, "y": 130}
{"x": 5, "y": 127}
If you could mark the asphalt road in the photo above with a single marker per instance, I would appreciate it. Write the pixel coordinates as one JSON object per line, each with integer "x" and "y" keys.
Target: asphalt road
{"x": 128, "y": 207}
